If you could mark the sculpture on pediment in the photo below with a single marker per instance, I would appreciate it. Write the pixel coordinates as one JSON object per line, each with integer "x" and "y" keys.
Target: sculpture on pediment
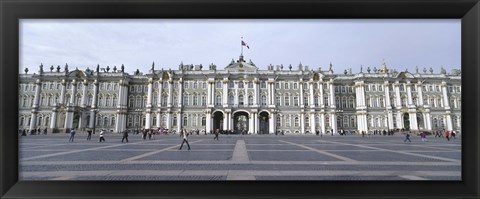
{"x": 58, "y": 68}
{"x": 431, "y": 70}
{"x": 51, "y": 68}
{"x": 345, "y": 72}
{"x": 26, "y": 70}
{"x": 41, "y": 68}
{"x": 108, "y": 69}
{"x": 330, "y": 69}
{"x": 368, "y": 69}
{"x": 98, "y": 68}
{"x": 66, "y": 68}
{"x": 153, "y": 66}
{"x": 137, "y": 72}
{"x": 122, "y": 68}
{"x": 180, "y": 67}
{"x": 270, "y": 67}
{"x": 361, "y": 68}
{"x": 114, "y": 69}
{"x": 290, "y": 67}
{"x": 375, "y": 69}
{"x": 416, "y": 69}
{"x": 424, "y": 70}
{"x": 442, "y": 70}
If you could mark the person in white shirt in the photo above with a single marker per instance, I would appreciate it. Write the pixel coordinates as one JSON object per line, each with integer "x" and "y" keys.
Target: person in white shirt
{"x": 101, "y": 136}
{"x": 185, "y": 135}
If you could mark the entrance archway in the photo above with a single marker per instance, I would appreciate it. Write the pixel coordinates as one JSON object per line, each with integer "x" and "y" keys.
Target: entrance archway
{"x": 421, "y": 124}
{"x": 240, "y": 122}
{"x": 218, "y": 121}
{"x": 76, "y": 120}
{"x": 263, "y": 123}
{"x": 406, "y": 121}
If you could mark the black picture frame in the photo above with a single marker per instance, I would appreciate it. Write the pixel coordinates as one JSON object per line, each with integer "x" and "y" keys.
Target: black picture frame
{"x": 466, "y": 10}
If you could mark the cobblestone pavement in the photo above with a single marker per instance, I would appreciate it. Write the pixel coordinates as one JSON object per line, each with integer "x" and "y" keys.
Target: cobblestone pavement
{"x": 237, "y": 157}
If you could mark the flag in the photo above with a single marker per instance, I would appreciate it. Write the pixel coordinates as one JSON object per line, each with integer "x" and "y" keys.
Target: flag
{"x": 245, "y": 44}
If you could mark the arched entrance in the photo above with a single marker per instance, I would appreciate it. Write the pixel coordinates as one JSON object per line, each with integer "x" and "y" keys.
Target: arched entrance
{"x": 420, "y": 122}
{"x": 406, "y": 121}
{"x": 263, "y": 123}
{"x": 76, "y": 120}
{"x": 240, "y": 122}
{"x": 218, "y": 121}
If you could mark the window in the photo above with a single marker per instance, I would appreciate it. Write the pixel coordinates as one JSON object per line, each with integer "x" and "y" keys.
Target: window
{"x": 287, "y": 100}
{"x": 351, "y": 103}
{"x": 114, "y": 101}
{"x": 240, "y": 84}
{"x": 204, "y": 121}
{"x": 174, "y": 121}
{"x": 315, "y": 100}
{"x": 69, "y": 85}
{"x": 230, "y": 84}
{"x": 287, "y": 85}
{"x": 352, "y": 121}
{"x": 250, "y": 84}
{"x": 185, "y": 85}
{"x": 288, "y": 122}
{"x": 307, "y": 121}
{"x": 204, "y": 100}
{"x": 297, "y": 122}
{"x": 240, "y": 100}
{"x": 414, "y": 88}
{"x": 218, "y": 84}
{"x": 165, "y": 100}
{"x": 437, "y": 88}
{"x": 344, "y": 89}
{"x": 264, "y": 100}
{"x": 107, "y": 101}
{"x": 295, "y": 86}
{"x": 218, "y": 100}
{"x": 250, "y": 100}
{"x": 109, "y": 86}
{"x": 305, "y": 86}
{"x": 185, "y": 121}
{"x": 130, "y": 102}
{"x": 277, "y": 85}
{"x": 185, "y": 100}
{"x": 204, "y": 85}
{"x": 374, "y": 88}
{"x": 132, "y": 89}
{"x": 402, "y": 88}
{"x": 263, "y": 84}
{"x": 345, "y": 121}
{"x": 295, "y": 101}
{"x": 380, "y": 88}
{"x": 175, "y": 85}
{"x": 367, "y": 88}
{"x": 195, "y": 85}
{"x": 230, "y": 99}
{"x": 381, "y": 102}
{"x": 277, "y": 99}
{"x": 195, "y": 100}
{"x": 279, "y": 123}
{"x": 305, "y": 101}
{"x": 325, "y": 100}
{"x": 344, "y": 102}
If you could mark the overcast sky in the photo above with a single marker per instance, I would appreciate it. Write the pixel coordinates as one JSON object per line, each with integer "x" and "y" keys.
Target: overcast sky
{"x": 404, "y": 44}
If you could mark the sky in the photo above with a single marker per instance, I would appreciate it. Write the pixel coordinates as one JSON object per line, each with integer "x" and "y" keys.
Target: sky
{"x": 402, "y": 44}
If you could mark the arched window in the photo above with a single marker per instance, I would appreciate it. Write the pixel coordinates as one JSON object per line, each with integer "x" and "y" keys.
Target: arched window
{"x": 230, "y": 99}
{"x": 112, "y": 121}
{"x": 287, "y": 100}
{"x": 185, "y": 121}
{"x": 105, "y": 121}
{"x": 114, "y": 101}
{"x": 240, "y": 84}
{"x": 295, "y": 101}
{"x": 297, "y": 121}
{"x": 307, "y": 121}
{"x": 305, "y": 100}
{"x": 344, "y": 102}
{"x": 240, "y": 100}
{"x": 204, "y": 100}
{"x": 250, "y": 100}
{"x": 195, "y": 99}
{"x": 264, "y": 100}
{"x": 107, "y": 100}
{"x": 345, "y": 121}
{"x": 352, "y": 121}
{"x": 279, "y": 121}
{"x": 204, "y": 121}
{"x": 185, "y": 100}
{"x": 138, "y": 102}
{"x": 130, "y": 102}
{"x": 218, "y": 100}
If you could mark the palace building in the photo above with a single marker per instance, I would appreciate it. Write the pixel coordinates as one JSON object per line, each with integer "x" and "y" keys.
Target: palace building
{"x": 241, "y": 97}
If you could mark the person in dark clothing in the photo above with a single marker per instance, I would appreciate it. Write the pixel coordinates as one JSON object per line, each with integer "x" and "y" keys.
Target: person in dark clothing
{"x": 45, "y": 131}
{"x": 24, "y": 132}
{"x": 185, "y": 140}
{"x": 125, "y": 135}
{"x": 150, "y": 132}
{"x": 216, "y": 134}
{"x": 317, "y": 132}
{"x": 89, "y": 134}
{"x": 72, "y": 135}
{"x": 144, "y": 134}
{"x": 407, "y": 137}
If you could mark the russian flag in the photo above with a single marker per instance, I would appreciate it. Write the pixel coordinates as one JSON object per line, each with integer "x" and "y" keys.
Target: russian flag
{"x": 245, "y": 44}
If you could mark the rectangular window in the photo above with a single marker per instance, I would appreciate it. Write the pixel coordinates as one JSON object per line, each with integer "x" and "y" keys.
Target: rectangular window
{"x": 278, "y": 101}
{"x": 277, "y": 85}
{"x": 295, "y": 86}
{"x": 295, "y": 101}
{"x": 185, "y": 100}
{"x": 287, "y": 101}
{"x": 325, "y": 100}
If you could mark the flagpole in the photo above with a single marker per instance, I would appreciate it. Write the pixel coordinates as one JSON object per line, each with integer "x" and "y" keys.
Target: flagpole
{"x": 241, "y": 47}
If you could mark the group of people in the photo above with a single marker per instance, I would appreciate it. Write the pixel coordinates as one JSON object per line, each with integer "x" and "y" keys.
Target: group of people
{"x": 423, "y": 135}
{"x": 33, "y": 132}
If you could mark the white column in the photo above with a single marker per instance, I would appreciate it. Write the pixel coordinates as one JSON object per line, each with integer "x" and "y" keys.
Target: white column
{"x": 270, "y": 93}
{"x": 179, "y": 122}
{"x": 271, "y": 124}
{"x": 420, "y": 93}
{"x": 230, "y": 121}
{"x": 159, "y": 120}
{"x": 446, "y": 102}
{"x": 409, "y": 94}
{"x": 208, "y": 125}
{"x": 160, "y": 91}
{"x": 53, "y": 120}
{"x": 169, "y": 120}
{"x": 225, "y": 95}
{"x": 84, "y": 94}
{"x": 148, "y": 115}
{"x": 180, "y": 93}
{"x": 301, "y": 92}
{"x": 332, "y": 95}
{"x": 400, "y": 120}
{"x": 312, "y": 122}
{"x": 320, "y": 86}
{"x": 95, "y": 94}
{"x": 397, "y": 93}
{"x": 413, "y": 120}
{"x": 323, "y": 128}
{"x": 74, "y": 91}
{"x": 302, "y": 122}
{"x": 251, "y": 127}
{"x": 333, "y": 119}
{"x": 312, "y": 103}
{"x": 62, "y": 92}
{"x": 387, "y": 95}
{"x": 225, "y": 121}
{"x": 209, "y": 93}
{"x": 235, "y": 98}
{"x": 390, "y": 120}
{"x": 255, "y": 93}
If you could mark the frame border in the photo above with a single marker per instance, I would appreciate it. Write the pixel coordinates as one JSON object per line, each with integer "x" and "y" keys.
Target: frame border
{"x": 11, "y": 11}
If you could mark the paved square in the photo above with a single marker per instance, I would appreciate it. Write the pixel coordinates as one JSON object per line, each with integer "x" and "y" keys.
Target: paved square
{"x": 235, "y": 157}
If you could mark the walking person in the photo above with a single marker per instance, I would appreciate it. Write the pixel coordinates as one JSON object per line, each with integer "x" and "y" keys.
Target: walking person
{"x": 216, "y": 134}
{"x": 89, "y": 134}
{"x": 125, "y": 135}
{"x": 101, "y": 136}
{"x": 453, "y": 135}
{"x": 407, "y": 137}
{"x": 150, "y": 134}
{"x": 185, "y": 135}
{"x": 72, "y": 135}
{"x": 423, "y": 135}
{"x": 447, "y": 135}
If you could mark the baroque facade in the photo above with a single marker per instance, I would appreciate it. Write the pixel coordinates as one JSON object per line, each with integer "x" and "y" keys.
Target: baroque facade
{"x": 242, "y": 98}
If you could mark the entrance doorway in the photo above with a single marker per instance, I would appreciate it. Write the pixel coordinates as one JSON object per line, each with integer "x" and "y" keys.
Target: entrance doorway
{"x": 218, "y": 121}
{"x": 421, "y": 123}
{"x": 263, "y": 123}
{"x": 240, "y": 122}
{"x": 406, "y": 121}
{"x": 76, "y": 120}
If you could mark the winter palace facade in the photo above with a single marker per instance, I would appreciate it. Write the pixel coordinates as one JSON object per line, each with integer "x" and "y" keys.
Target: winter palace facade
{"x": 241, "y": 98}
